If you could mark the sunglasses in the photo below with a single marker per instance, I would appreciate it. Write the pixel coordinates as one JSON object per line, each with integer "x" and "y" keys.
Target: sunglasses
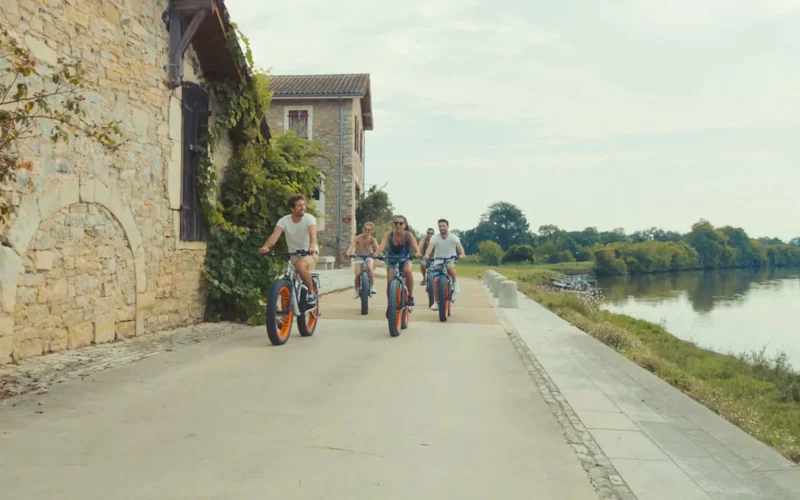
{"x": 398, "y": 223}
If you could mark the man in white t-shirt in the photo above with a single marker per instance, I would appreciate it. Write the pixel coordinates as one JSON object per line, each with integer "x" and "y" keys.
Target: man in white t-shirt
{"x": 444, "y": 245}
{"x": 301, "y": 234}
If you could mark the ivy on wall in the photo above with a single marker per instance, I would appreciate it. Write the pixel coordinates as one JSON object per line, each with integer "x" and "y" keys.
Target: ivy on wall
{"x": 258, "y": 181}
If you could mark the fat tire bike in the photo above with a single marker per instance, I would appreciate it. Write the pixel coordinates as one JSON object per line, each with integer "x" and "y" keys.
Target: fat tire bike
{"x": 442, "y": 283}
{"x": 288, "y": 300}
{"x": 364, "y": 282}
{"x": 398, "y": 312}
{"x": 429, "y": 281}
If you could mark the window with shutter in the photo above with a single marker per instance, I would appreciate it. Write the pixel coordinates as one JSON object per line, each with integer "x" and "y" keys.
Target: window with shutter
{"x": 195, "y": 125}
{"x": 300, "y": 119}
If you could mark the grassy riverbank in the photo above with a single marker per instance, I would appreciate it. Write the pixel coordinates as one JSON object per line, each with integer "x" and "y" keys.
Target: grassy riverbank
{"x": 525, "y": 273}
{"x": 760, "y": 395}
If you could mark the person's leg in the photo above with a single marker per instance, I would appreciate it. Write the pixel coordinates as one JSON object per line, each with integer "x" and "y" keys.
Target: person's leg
{"x": 371, "y": 271}
{"x": 304, "y": 267}
{"x": 423, "y": 268}
{"x": 408, "y": 272}
{"x": 451, "y": 268}
{"x": 357, "y": 271}
{"x": 435, "y": 288}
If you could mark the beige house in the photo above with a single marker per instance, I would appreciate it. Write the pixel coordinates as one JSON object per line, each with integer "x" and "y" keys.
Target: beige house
{"x": 334, "y": 110}
{"x": 111, "y": 245}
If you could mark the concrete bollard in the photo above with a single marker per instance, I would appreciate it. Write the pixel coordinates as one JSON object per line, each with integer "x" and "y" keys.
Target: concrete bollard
{"x": 508, "y": 295}
{"x": 488, "y": 278}
{"x": 496, "y": 285}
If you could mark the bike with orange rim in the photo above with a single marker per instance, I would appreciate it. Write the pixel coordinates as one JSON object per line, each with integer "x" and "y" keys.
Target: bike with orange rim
{"x": 398, "y": 312}
{"x": 287, "y": 300}
{"x": 443, "y": 285}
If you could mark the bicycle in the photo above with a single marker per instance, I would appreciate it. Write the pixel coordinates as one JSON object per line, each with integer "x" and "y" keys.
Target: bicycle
{"x": 364, "y": 283}
{"x": 398, "y": 311}
{"x": 428, "y": 282}
{"x": 444, "y": 286}
{"x": 287, "y": 300}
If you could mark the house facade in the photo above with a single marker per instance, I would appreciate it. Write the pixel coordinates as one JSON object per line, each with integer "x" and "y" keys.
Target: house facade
{"x": 336, "y": 111}
{"x": 109, "y": 245}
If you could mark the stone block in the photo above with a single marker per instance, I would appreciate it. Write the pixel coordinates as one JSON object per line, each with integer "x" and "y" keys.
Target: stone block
{"x": 11, "y": 11}
{"x": 28, "y": 348}
{"x": 126, "y": 329}
{"x": 6, "y": 326}
{"x": 129, "y": 226}
{"x": 141, "y": 276}
{"x": 70, "y": 193}
{"x": 496, "y": 280}
{"x": 174, "y": 184}
{"x": 10, "y": 264}
{"x": 175, "y": 119}
{"x": 139, "y": 323}
{"x": 49, "y": 203}
{"x": 105, "y": 328}
{"x": 6, "y": 348}
{"x": 81, "y": 335}
{"x": 28, "y": 220}
{"x": 41, "y": 51}
{"x": 73, "y": 318}
{"x": 87, "y": 189}
{"x": 145, "y": 301}
{"x": 102, "y": 195}
{"x": 110, "y": 12}
{"x": 44, "y": 260}
{"x": 58, "y": 339}
{"x": 126, "y": 314}
{"x": 487, "y": 278}
{"x": 508, "y": 296}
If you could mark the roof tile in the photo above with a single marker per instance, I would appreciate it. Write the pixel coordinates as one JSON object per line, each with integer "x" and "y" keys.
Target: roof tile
{"x": 319, "y": 85}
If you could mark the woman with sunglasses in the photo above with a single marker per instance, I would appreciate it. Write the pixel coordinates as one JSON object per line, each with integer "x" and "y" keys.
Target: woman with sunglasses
{"x": 401, "y": 244}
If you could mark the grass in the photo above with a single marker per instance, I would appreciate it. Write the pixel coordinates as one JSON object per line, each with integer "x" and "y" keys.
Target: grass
{"x": 760, "y": 395}
{"x": 524, "y": 272}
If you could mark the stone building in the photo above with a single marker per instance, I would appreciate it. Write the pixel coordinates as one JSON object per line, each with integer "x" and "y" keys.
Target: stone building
{"x": 334, "y": 110}
{"x": 110, "y": 245}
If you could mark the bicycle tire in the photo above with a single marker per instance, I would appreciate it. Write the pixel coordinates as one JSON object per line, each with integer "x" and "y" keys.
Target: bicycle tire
{"x": 444, "y": 298}
{"x": 429, "y": 289}
{"x": 307, "y": 323}
{"x": 405, "y": 315}
{"x": 364, "y": 292}
{"x": 394, "y": 308}
{"x": 279, "y": 333}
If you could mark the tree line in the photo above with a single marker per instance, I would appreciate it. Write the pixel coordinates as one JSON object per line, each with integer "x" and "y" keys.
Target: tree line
{"x": 504, "y": 235}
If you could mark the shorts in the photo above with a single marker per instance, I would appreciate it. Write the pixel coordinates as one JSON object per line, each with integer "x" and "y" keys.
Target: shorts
{"x": 359, "y": 260}
{"x": 311, "y": 259}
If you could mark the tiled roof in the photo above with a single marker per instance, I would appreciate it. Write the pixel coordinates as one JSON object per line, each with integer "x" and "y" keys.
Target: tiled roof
{"x": 319, "y": 85}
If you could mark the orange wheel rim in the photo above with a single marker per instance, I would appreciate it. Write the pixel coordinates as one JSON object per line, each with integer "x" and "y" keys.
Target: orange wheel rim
{"x": 447, "y": 298}
{"x": 284, "y": 322}
{"x": 399, "y": 312}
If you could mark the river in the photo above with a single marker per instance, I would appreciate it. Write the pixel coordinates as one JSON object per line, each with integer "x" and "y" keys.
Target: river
{"x": 729, "y": 311}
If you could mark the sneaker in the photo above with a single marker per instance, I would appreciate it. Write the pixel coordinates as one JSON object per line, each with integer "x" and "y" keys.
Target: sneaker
{"x": 424, "y": 282}
{"x": 456, "y": 288}
{"x": 311, "y": 299}
{"x": 372, "y": 290}
{"x": 435, "y": 306}
{"x": 410, "y": 302}
{"x": 356, "y": 293}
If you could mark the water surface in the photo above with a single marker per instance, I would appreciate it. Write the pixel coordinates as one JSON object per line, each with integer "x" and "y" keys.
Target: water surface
{"x": 730, "y": 311}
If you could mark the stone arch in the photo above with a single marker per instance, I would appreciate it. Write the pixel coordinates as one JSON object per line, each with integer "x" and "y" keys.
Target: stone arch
{"x": 36, "y": 208}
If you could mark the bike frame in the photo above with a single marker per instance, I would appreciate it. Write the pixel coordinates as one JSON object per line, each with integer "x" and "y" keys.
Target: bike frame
{"x": 364, "y": 264}
{"x": 439, "y": 266}
{"x": 290, "y": 275}
{"x": 398, "y": 273}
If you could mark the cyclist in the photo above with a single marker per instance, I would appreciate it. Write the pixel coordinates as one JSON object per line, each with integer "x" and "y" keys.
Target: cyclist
{"x": 401, "y": 244}
{"x": 442, "y": 246}
{"x": 364, "y": 243}
{"x": 301, "y": 234}
{"x": 423, "y": 245}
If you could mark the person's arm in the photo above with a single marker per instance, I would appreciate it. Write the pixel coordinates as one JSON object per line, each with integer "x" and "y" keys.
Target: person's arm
{"x": 380, "y": 248}
{"x": 374, "y": 244}
{"x": 312, "y": 238}
{"x": 429, "y": 250}
{"x": 461, "y": 252}
{"x": 352, "y": 247}
{"x": 414, "y": 245}
{"x": 273, "y": 238}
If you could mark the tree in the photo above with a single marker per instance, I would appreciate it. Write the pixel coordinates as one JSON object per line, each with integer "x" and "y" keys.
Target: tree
{"x": 57, "y": 105}
{"x": 519, "y": 253}
{"x": 795, "y": 241}
{"x": 374, "y": 206}
{"x": 506, "y": 222}
{"x": 490, "y": 253}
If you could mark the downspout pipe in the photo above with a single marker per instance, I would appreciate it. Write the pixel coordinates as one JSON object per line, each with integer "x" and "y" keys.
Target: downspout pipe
{"x": 341, "y": 180}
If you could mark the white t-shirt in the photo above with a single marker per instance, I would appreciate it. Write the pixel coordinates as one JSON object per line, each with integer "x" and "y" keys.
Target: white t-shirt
{"x": 297, "y": 233}
{"x": 446, "y": 247}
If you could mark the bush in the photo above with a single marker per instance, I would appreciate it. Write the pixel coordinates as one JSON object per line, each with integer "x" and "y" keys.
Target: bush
{"x": 490, "y": 253}
{"x": 519, "y": 253}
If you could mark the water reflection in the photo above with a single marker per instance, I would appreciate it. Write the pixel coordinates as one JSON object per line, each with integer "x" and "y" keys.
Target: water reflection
{"x": 732, "y": 311}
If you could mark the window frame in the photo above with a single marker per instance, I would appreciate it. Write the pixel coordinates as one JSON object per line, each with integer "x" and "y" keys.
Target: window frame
{"x": 309, "y": 109}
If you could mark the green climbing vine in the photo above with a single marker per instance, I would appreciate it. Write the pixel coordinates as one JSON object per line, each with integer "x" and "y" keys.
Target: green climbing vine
{"x": 258, "y": 180}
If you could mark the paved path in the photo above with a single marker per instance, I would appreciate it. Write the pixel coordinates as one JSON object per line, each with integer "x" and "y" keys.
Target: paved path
{"x": 443, "y": 411}
{"x": 663, "y": 444}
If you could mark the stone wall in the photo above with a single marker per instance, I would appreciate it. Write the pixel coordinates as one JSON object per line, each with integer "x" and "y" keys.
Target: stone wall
{"x": 90, "y": 211}
{"x": 326, "y": 131}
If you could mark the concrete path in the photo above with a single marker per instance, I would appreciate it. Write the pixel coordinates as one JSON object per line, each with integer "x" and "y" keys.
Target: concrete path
{"x": 443, "y": 411}
{"x": 663, "y": 444}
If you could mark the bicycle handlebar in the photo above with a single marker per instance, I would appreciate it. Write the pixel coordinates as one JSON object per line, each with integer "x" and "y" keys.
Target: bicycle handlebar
{"x": 289, "y": 254}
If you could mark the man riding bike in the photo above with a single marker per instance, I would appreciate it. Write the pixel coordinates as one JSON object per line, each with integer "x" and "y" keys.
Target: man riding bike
{"x": 401, "y": 245}
{"x": 423, "y": 246}
{"x": 442, "y": 246}
{"x": 363, "y": 244}
{"x": 301, "y": 234}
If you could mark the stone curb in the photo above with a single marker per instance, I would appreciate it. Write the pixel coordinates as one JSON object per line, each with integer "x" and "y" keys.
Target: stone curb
{"x": 604, "y": 477}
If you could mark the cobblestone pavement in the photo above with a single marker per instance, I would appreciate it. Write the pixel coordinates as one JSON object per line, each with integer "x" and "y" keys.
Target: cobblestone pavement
{"x": 38, "y": 374}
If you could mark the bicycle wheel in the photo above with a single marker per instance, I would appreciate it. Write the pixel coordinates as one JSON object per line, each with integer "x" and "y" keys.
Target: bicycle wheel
{"x": 429, "y": 289}
{"x": 444, "y": 298}
{"x": 405, "y": 316}
{"x": 279, "y": 312}
{"x": 307, "y": 323}
{"x": 395, "y": 308}
{"x": 364, "y": 292}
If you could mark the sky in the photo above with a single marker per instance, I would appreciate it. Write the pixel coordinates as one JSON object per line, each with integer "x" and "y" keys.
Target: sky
{"x": 621, "y": 113}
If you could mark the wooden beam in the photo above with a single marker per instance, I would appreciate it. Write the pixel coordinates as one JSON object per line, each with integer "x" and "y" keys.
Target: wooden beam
{"x": 194, "y": 25}
{"x": 190, "y": 7}
{"x": 178, "y": 44}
